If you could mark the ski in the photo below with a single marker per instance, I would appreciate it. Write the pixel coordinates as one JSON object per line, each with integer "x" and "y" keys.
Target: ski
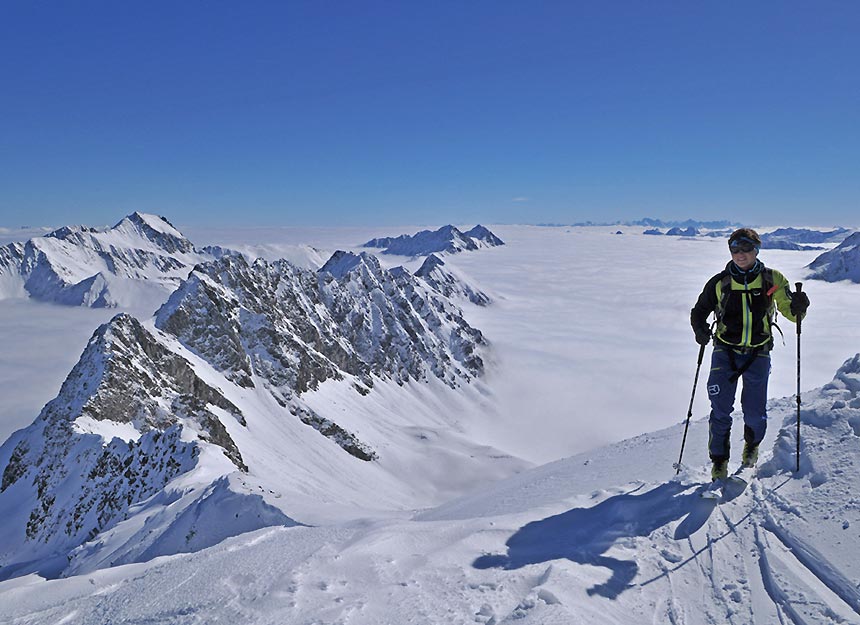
{"x": 730, "y": 487}
{"x": 713, "y": 491}
{"x": 743, "y": 475}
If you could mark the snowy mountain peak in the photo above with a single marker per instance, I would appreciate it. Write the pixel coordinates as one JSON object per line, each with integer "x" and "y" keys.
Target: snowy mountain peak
{"x": 430, "y": 263}
{"x": 840, "y": 263}
{"x": 449, "y": 281}
{"x": 69, "y": 232}
{"x": 155, "y": 229}
{"x": 141, "y": 259}
{"x": 260, "y": 320}
{"x": 484, "y": 235}
{"x": 125, "y": 375}
{"x": 131, "y": 416}
{"x": 447, "y": 239}
{"x": 342, "y": 263}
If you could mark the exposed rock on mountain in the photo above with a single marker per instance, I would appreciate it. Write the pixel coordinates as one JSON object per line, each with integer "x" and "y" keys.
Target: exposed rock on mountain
{"x": 138, "y": 456}
{"x": 788, "y": 245}
{"x": 446, "y": 239}
{"x": 292, "y": 329}
{"x": 449, "y": 282}
{"x": 686, "y": 232}
{"x": 803, "y": 236}
{"x": 840, "y": 263}
{"x": 131, "y": 416}
{"x": 482, "y": 235}
{"x": 138, "y": 261}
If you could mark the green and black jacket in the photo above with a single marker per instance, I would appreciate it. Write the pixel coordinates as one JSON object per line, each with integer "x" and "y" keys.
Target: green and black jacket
{"x": 745, "y": 311}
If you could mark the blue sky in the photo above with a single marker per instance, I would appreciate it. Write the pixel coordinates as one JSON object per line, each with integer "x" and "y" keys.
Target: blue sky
{"x": 350, "y": 113}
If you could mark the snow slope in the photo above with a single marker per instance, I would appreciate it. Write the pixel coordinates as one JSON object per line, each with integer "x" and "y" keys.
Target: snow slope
{"x": 609, "y": 536}
{"x": 219, "y": 404}
{"x": 138, "y": 261}
{"x": 840, "y": 263}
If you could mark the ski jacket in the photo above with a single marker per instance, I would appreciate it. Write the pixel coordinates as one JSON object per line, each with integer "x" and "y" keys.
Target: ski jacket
{"x": 746, "y": 312}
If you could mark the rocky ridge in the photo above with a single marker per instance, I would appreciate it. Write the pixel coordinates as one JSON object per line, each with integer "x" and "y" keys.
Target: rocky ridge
{"x": 144, "y": 441}
{"x": 291, "y": 329}
{"x": 447, "y": 239}
{"x": 448, "y": 282}
{"x": 131, "y": 416}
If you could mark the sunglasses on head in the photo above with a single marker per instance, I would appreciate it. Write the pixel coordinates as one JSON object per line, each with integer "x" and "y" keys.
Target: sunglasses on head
{"x": 742, "y": 245}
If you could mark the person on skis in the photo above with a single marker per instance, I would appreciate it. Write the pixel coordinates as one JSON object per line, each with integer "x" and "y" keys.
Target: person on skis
{"x": 743, "y": 298}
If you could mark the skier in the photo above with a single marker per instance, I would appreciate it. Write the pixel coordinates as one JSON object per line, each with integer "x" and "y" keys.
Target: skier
{"x": 742, "y": 297}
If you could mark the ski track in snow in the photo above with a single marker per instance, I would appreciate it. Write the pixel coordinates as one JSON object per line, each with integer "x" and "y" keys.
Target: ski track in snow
{"x": 710, "y": 563}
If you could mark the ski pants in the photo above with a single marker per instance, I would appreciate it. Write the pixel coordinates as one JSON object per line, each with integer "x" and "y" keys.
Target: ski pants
{"x": 722, "y": 385}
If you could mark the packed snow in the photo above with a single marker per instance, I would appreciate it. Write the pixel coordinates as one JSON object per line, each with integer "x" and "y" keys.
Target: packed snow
{"x": 585, "y": 348}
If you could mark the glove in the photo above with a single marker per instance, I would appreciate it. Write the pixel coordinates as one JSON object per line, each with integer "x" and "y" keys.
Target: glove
{"x": 799, "y": 304}
{"x": 703, "y": 335}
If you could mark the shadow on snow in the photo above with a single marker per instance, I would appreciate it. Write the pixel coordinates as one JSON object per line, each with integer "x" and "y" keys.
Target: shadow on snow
{"x": 584, "y": 535}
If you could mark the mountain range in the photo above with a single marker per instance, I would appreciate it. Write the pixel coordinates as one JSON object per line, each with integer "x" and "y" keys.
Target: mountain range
{"x": 447, "y": 239}
{"x": 217, "y": 403}
{"x": 140, "y": 260}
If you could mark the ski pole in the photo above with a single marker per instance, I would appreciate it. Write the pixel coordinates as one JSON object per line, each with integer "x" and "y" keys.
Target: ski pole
{"x": 799, "y": 287}
{"x": 690, "y": 410}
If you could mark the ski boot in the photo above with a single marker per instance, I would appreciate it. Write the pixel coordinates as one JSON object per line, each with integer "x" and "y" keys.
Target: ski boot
{"x": 749, "y": 456}
{"x": 720, "y": 470}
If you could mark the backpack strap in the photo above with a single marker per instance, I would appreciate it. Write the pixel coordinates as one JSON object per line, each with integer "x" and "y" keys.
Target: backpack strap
{"x": 768, "y": 286}
{"x": 725, "y": 290}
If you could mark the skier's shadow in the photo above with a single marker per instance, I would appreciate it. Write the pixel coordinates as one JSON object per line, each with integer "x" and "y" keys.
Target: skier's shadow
{"x": 583, "y": 535}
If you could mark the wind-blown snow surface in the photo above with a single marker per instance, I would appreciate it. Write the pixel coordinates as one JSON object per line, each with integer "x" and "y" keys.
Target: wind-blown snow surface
{"x": 602, "y": 537}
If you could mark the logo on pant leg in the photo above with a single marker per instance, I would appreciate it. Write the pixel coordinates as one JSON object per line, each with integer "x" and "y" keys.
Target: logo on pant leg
{"x": 714, "y": 389}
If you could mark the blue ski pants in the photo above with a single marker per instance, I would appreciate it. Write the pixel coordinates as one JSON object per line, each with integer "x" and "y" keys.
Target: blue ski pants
{"x": 721, "y": 391}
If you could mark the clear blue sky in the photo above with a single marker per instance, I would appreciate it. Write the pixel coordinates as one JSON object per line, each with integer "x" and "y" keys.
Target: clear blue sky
{"x": 323, "y": 112}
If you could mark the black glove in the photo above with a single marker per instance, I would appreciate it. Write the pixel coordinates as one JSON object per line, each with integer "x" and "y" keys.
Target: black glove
{"x": 703, "y": 335}
{"x": 799, "y": 304}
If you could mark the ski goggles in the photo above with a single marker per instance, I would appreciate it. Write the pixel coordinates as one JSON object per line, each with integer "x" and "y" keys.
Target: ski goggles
{"x": 742, "y": 245}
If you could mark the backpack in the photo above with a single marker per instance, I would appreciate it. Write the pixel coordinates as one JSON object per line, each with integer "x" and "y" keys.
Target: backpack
{"x": 768, "y": 286}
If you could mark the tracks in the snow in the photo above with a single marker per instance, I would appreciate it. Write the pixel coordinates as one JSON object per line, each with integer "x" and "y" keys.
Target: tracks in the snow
{"x": 780, "y": 577}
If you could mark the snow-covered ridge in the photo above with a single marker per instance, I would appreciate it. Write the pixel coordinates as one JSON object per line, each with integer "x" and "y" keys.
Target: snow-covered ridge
{"x": 153, "y": 428}
{"x": 840, "y": 263}
{"x": 608, "y": 536}
{"x": 450, "y": 282}
{"x": 446, "y": 239}
{"x": 293, "y": 329}
{"x": 131, "y": 417}
{"x": 139, "y": 260}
